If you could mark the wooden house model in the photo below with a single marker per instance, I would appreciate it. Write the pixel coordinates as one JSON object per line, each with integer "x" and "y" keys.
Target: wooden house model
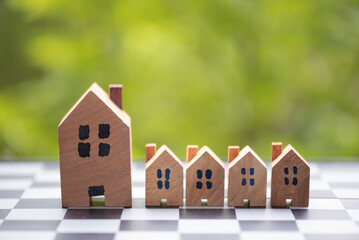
{"x": 164, "y": 177}
{"x": 204, "y": 178}
{"x": 247, "y": 178}
{"x": 290, "y": 177}
{"x": 95, "y": 150}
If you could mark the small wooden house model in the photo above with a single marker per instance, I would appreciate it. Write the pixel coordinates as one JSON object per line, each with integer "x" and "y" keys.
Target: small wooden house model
{"x": 204, "y": 178}
{"x": 95, "y": 150}
{"x": 247, "y": 178}
{"x": 164, "y": 177}
{"x": 290, "y": 177}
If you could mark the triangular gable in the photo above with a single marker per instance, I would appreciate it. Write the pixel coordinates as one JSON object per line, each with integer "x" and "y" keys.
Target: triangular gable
{"x": 161, "y": 151}
{"x": 102, "y": 96}
{"x": 243, "y": 153}
{"x": 201, "y": 152}
{"x": 285, "y": 151}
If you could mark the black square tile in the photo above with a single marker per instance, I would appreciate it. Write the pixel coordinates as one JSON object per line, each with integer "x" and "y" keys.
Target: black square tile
{"x": 321, "y": 194}
{"x": 84, "y": 236}
{"x": 134, "y": 225}
{"x": 29, "y": 225}
{"x": 350, "y": 203}
{"x": 320, "y": 214}
{"x": 93, "y": 213}
{"x": 52, "y": 165}
{"x": 268, "y": 226}
{"x": 207, "y": 213}
{"x": 332, "y": 236}
{"x": 39, "y": 203}
{"x": 4, "y": 213}
{"x": 209, "y": 236}
{"x": 45, "y": 184}
{"x": 11, "y": 193}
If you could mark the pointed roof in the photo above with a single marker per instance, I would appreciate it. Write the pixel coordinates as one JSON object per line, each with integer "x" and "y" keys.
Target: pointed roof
{"x": 288, "y": 149}
{"x": 244, "y": 152}
{"x": 203, "y": 151}
{"x": 96, "y": 90}
{"x": 162, "y": 150}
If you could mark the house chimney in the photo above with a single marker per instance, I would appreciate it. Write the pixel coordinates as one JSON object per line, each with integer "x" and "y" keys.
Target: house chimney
{"x": 115, "y": 92}
{"x": 233, "y": 152}
{"x": 150, "y": 151}
{"x": 276, "y": 150}
{"x": 191, "y": 152}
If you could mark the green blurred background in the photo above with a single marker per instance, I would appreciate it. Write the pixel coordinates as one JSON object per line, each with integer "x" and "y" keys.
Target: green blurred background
{"x": 204, "y": 72}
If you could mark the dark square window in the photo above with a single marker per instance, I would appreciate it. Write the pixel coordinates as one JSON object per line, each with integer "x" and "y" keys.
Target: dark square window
{"x": 103, "y": 130}
{"x": 84, "y": 149}
{"x": 96, "y": 191}
{"x": 103, "y": 149}
{"x": 84, "y": 132}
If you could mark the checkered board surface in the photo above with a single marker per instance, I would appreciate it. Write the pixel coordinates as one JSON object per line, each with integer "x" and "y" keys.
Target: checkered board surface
{"x": 30, "y": 208}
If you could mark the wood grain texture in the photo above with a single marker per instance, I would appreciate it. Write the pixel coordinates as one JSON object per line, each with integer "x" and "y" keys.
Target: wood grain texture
{"x": 212, "y": 185}
{"x": 164, "y": 160}
{"x": 150, "y": 151}
{"x": 247, "y": 179}
{"x": 113, "y": 171}
{"x": 191, "y": 152}
{"x": 276, "y": 150}
{"x": 115, "y": 93}
{"x": 291, "y": 166}
{"x": 233, "y": 152}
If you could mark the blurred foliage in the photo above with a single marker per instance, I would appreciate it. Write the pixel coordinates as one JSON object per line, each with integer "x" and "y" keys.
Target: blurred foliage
{"x": 204, "y": 72}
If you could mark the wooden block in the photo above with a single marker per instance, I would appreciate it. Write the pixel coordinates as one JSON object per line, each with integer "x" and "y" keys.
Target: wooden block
{"x": 164, "y": 178}
{"x": 191, "y": 152}
{"x": 276, "y": 150}
{"x": 290, "y": 179}
{"x": 233, "y": 152}
{"x": 150, "y": 151}
{"x": 95, "y": 152}
{"x": 115, "y": 92}
{"x": 247, "y": 180}
{"x": 205, "y": 179}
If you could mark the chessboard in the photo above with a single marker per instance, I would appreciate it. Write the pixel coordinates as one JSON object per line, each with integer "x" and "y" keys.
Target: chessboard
{"x": 30, "y": 208}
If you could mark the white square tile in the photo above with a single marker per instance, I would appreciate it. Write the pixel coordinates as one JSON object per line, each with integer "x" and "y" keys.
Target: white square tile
{"x": 16, "y": 169}
{"x": 340, "y": 176}
{"x": 46, "y": 193}
{"x": 318, "y": 184}
{"x": 208, "y": 226}
{"x": 139, "y": 176}
{"x": 265, "y": 214}
{"x": 150, "y": 214}
{"x": 27, "y": 235}
{"x": 346, "y": 192}
{"x": 36, "y": 214}
{"x": 327, "y": 226}
{"x": 153, "y": 235}
{"x": 14, "y": 184}
{"x": 89, "y": 226}
{"x": 8, "y": 203}
{"x": 325, "y": 203}
{"x": 314, "y": 169}
{"x": 48, "y": 176}
{"x": 271, "y": 236}
{"x": 138, "y": 192}
{"x": 354, "y": 213}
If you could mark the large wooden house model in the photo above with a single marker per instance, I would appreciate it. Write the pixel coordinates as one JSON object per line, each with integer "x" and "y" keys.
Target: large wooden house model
{"x": 95, "y": 150}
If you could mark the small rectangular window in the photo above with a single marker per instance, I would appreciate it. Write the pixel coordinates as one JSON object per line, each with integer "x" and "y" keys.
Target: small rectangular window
{"x": 84, "y": 132}
{"x": 84, "y": 149}
{"x": 103, "y": 149}
{"x": 103, "y": 131}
